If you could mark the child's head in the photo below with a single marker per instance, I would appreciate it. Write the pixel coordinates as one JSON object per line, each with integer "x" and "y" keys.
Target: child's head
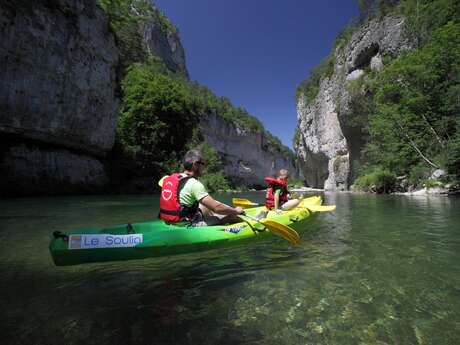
{"x": 283, "y": 174}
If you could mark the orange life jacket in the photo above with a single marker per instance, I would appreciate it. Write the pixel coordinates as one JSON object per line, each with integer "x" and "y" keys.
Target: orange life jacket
{"x": 170, "y": 208}
{"x": 273, "y": 184}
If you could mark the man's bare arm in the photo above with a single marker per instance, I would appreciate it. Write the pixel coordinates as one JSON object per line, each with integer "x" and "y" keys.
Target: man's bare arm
{"x": 219, "y": 207}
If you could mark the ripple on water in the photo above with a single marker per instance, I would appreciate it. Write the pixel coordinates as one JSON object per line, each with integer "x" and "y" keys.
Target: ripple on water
{"x": 378, "y": 270}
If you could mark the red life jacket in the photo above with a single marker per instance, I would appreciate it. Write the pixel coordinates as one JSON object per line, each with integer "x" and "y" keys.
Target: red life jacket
{"x": 273, "y": 184}
{"x": 170, "y": 208}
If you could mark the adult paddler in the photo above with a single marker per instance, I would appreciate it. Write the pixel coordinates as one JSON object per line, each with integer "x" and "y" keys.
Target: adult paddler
{"x": 184, "y": 198}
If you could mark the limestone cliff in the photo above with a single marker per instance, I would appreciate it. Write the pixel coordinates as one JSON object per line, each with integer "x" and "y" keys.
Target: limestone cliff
{"x": 247, "y": 157}
{"x": 57, "y": 93}
{"x": 164, "y": 41}
{"x": 327, "y": 147}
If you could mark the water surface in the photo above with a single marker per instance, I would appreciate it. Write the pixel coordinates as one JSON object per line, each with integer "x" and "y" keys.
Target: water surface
{"x": 378, "y": 270}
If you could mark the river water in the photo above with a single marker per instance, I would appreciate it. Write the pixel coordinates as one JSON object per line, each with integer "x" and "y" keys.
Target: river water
{"x": 378, "y": 270}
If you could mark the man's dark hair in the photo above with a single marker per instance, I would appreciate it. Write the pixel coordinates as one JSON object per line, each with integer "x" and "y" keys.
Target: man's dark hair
{"x": 191, "y": 157}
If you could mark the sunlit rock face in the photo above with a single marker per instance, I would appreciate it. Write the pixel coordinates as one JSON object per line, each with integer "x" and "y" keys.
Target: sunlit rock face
{"x": 57, "y": 88}
{"x": 327, "y": 145}
{"x": 164, "y": 43}
{"x": 247, "y": 157}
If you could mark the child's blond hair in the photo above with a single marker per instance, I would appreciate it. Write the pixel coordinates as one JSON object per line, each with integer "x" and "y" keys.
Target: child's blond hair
{"x": 283, "y": 172}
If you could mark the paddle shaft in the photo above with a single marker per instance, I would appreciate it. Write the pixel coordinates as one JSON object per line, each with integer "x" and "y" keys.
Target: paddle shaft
{"x": 315, "y": 208}
{"x": 251, "y": 217}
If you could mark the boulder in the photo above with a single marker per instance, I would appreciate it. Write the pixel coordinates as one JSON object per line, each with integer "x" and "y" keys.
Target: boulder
{"x": 438, "y": 173}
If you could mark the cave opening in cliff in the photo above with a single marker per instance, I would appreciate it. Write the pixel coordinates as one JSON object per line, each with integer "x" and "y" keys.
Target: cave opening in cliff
{"x": 315, "y": 169}
{"x": 364, "y": 58}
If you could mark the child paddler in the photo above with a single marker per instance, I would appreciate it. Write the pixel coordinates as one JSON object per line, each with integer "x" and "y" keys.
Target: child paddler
{"x": 278, "y": 197}
{"x": 184, "y": 198}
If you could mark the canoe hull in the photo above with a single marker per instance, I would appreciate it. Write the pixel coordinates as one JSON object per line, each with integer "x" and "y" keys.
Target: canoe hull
{"x": 156, "y": 238}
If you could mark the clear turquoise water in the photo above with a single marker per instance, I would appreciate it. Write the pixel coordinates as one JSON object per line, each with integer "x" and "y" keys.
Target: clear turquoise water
{"x": 378, "y": 270}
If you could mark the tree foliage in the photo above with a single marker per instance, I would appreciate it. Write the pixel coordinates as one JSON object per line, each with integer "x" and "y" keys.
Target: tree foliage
{"x": 157, "y": 119}
{"x": 416, "y": 105}
{"x": 423, "y": 17}
{"x": 379, "y": 180}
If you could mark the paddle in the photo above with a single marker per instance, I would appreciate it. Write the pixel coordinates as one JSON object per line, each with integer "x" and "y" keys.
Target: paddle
{"x": 279, "y": 229}
{"x": 160, "y": 183}
{"x": 245, "y": 203}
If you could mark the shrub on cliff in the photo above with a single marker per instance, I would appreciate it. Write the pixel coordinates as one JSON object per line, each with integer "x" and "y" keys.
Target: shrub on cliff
{"x": 379, "y": 180}
{"x": 310, "y": 86}
{"x": 125, "y": 19}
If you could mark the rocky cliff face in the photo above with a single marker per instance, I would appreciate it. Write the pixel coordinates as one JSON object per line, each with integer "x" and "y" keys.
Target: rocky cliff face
{"x": 165, "y": 43}
{"x": 327, "y": 147}
{"x": 247, "y": 157}
{"x": 57, "y": 94}
{"x": 57, "y": 81}
{"x": 58, "y": 102}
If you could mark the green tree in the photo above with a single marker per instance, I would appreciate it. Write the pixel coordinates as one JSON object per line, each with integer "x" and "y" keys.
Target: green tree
{"x": 453, "y": 164}
{"x": 213, "y": 178}
{"x": 423, "y": 17}
{"x": 413, "y": 119}
{"x": 157, "y": 117}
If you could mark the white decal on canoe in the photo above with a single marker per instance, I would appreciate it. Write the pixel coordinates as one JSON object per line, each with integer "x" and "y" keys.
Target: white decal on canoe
{"x": 235, "y": 229}
{"x": 104, "y": 241}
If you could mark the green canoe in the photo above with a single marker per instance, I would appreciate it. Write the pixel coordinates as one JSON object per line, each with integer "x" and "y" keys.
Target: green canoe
{"x": 156, "y": 238}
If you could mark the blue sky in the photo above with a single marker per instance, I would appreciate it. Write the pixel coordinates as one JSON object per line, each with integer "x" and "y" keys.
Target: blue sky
{"x": 257, "y": 52}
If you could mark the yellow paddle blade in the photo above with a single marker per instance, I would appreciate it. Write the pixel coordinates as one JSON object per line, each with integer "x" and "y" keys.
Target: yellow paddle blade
{"x": 242, "y": 205}
{"x": 282, "y": 230}
{"x": 160, "y": 183}
{"x": 309, "y": 203}
{"x": 243, "y": 202}
{"x": 320, "y": 208}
